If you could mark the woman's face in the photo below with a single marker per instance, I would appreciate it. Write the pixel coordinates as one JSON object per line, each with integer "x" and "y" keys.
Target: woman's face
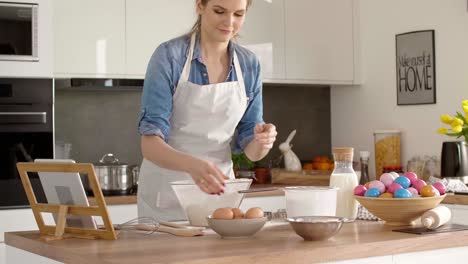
{"x": 222, "y": 19}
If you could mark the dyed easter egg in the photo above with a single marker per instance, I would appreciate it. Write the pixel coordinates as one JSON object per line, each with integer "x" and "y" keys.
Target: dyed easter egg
{"x": 377, "y": 184}
{"x": 428, "y": 191}
{"x": 393, "y": 187}
{"x": 387, "y": 179}
{"x": 367, "y": 185}
{"x": 395, "y": 175}
{"x": 440, "y": 187}
{"x": 360, "y": 190}
{"x": 418, "y": 184}
{"x": 372, "y": 192}
{"x": 411, "y": 176}
{"x": 386, "y": 195}
{"x": 403, "y": 181}
{"x": 402, "y": 193}
{"x": 412, "y": 190}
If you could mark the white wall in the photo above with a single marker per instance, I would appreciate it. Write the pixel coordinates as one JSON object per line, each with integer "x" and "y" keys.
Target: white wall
{"x": 358, "y": 111}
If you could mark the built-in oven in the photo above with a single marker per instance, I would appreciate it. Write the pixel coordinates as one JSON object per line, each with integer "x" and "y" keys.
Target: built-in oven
{"x": 26, "y": 134}
{"x": 18, "y": 31}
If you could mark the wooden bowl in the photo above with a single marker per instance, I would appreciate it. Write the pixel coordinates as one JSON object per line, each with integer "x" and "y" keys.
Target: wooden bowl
{"x": 399, "y": 211}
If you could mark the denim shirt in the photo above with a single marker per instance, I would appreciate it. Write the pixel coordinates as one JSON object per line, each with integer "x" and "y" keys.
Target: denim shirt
{"x": 162, "y": 76}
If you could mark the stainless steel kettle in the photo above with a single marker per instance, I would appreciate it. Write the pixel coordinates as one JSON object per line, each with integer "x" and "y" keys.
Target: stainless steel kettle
{"x": 454, "y": 160}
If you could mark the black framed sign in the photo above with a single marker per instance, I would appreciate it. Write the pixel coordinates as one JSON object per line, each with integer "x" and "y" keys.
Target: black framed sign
{"x": 415, "y": 68}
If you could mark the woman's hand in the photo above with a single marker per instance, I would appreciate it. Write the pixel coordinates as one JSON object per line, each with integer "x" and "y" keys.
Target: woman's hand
{"x": 265, "y": 135}
{"x": 207, "y": 176}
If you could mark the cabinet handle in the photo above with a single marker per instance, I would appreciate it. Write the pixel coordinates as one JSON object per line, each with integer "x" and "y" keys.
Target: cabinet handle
{"x": 23, "y": 117}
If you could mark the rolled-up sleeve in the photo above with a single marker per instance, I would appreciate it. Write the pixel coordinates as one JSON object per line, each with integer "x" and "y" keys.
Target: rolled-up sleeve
{"x": 254, "y": 113}
{"x": 156, "y": 101}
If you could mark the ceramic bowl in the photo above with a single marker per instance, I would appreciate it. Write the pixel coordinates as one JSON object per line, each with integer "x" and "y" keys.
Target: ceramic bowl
{"x": 313, "y": 228}
{"x": 231, "y": 228}
{"x": 399, "y": 211}
{"x": 198, "y": 204}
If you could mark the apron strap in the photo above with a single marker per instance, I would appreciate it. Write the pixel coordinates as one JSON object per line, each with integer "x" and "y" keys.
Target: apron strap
{"x": 186, "y": 71}
{"x": 240, "y": 76}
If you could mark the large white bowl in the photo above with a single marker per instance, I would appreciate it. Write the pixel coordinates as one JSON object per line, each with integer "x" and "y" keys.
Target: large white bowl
{"x": 198, "y": 205}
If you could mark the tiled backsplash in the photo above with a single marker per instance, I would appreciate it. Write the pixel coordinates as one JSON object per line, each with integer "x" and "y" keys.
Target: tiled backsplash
{"x": 100, "y": 122}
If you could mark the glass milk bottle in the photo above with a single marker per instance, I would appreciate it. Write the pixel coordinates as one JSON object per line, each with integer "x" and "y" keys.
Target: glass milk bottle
{"x": 344, "y": 178}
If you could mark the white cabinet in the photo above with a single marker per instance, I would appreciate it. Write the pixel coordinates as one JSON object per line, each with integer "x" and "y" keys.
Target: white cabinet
{"x": 263, "y": 33}
{"x": 150, "y": 23}
{"x": 43, "y": 67}
{"x": 319, "y": 41}
{"x": 89, "y": 38}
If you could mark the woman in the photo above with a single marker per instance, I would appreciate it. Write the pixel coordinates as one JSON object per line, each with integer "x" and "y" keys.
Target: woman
{"x": 198, "y": 89}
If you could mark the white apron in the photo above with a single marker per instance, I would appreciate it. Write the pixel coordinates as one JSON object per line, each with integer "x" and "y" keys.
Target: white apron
{"x": 203, "y": 121}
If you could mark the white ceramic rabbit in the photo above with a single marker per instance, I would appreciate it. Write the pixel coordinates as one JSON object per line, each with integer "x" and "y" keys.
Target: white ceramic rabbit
{"x": 291, "y": 161}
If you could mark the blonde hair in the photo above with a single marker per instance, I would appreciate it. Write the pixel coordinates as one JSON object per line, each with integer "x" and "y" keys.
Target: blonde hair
{"x": 197, "y": 25}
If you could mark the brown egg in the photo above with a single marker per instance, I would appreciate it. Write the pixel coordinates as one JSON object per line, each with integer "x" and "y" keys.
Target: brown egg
{"x": 237, "y": 213}
{"x": 254, "y": 212}
{"x": 223, "y": 213}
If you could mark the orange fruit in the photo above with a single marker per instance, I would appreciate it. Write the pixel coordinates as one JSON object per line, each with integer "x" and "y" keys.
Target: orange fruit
{"x": 308, "y": 166}
{"x": 323, "y": 166}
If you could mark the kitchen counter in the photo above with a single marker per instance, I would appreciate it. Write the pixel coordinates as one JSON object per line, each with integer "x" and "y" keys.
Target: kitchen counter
{"x": 132, "y": 199}
{"x": 275, "y": 243}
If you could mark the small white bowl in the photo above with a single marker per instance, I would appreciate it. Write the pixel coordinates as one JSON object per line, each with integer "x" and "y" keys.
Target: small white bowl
{"x": 243, "y": 227}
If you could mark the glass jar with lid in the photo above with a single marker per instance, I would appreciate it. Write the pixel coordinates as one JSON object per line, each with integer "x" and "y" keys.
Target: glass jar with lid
{"x": 387, "y": 150}
{"x": 345, "y": 179}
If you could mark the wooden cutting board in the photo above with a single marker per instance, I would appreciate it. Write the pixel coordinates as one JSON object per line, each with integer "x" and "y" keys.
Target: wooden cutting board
{"x": 304, "y": 177}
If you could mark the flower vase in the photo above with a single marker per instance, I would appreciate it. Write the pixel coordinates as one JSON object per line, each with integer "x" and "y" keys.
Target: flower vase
{"x": 454, "y": 159}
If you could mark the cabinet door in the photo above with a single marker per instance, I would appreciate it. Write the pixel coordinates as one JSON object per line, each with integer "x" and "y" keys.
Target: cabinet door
{"x": 89, "y": 38}
{"x": 151, "y": 22}
{"x": 263, "y": 33}
{"x": 319, "y": 41}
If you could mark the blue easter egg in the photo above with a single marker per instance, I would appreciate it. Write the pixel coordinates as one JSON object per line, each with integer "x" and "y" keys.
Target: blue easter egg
{"x": 403, "y": 181}
{"x": 402, "y": 193}
{"x": 372, "y": 192}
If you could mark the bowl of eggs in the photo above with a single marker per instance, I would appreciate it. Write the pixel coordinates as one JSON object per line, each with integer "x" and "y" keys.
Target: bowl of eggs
{"x": 399, "y": 200}
{"x": 233, "y": 223}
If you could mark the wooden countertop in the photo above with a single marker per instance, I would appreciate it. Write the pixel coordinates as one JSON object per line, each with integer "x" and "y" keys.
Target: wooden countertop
{"x": 275, "y": 243}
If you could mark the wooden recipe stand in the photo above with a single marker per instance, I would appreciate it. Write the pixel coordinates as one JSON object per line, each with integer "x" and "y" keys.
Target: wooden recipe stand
{"x": 60, "y": 231}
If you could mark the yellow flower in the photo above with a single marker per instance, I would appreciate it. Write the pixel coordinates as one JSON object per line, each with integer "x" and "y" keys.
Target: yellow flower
{"x": 465, "y": 108}
{"x": 457, "y": 122}
{"x": 442, "y": 130}
{"x": 464, "y": 102}
{"x": 457, "y": 129}
{"x": 446, "y": 119}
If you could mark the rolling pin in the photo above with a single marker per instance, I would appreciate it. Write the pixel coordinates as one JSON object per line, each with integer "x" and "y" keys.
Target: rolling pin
{"x": 436, "y": 217}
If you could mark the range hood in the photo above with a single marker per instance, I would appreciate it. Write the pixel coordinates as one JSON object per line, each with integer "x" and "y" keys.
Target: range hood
{"x": 103, "y": 84}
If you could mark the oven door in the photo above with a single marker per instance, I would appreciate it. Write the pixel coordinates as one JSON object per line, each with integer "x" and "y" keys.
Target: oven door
{"x": 26, "y": 134}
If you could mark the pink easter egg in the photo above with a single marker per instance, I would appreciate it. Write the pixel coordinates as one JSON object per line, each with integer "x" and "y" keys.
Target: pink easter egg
{"x": 377, "y": 184}
{"x": 387, "y": 179}
{"x": 412, "y": 190}
{"x": 394, "y": 186}
{"x": 360, "y": 190}
{"x": 440, "y": 187}
{"x": 411, "y": 176}
{"x": 418, "y": 184}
